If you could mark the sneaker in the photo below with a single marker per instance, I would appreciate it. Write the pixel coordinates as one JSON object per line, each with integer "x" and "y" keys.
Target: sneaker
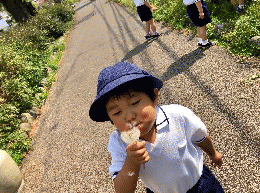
{"x": 148, "y": 36}
{"x": 209, "y": 44}
{"x": 240, "y": 10}
{"x": 156, "y": 35}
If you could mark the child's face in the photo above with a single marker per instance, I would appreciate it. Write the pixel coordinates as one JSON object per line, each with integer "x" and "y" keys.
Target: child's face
{"x": 133, "y": 107}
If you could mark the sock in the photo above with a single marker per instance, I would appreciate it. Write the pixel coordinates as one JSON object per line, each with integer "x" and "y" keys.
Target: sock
{"x": 154, "y": 32}
{"x": 204, "y": 42}
{"x": 147, "y": 33}
{"x": 200, "y": 40}
{"x": 241, "y": 6}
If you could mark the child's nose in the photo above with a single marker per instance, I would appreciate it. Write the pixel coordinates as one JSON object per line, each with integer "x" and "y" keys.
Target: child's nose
{"x": 130, "y": 116}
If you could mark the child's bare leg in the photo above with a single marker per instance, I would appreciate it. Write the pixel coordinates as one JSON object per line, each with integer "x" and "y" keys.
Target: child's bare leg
{"x": 234, "y": 2}
{"x": 147, "y": 27}
{"x": 152, "y": 23}
{"x": 199, "y": 36}
{"x": 241, "y": 4}
{"x": 202, "y": 32}
{"x": 202, "y": 37}
{"x": 198, "y": 32}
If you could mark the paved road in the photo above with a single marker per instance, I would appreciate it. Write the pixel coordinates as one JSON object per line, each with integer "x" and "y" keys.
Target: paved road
{"x": 69, "y": 150}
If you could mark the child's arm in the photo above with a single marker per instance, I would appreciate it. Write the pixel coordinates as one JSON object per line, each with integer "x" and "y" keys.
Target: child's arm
{"x": 207, "y": 146}
{"x": 125, "y": 183}
{"x": 136, "y": 155}
{"x": 150, "y": 6}
{"x": 199, "y": 6}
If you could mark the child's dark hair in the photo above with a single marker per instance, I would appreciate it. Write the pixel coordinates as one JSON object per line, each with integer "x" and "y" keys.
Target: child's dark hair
{"x": 143, "y": 85}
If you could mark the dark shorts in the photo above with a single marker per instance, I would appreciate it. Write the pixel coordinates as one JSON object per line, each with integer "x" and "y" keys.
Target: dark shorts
{"x": 144, "y": 13}
{"x": 207, "y": 183}
{"x": 193, "y": 14}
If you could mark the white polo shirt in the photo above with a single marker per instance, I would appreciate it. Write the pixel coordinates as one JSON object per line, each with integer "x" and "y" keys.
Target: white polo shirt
{"x": 175, "y": 163}
{"x": 189, "y": 2}
{"x": 139, "y": 2}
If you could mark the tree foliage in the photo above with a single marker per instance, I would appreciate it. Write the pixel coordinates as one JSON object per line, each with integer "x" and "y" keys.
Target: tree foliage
{"x": 20, "y": 10}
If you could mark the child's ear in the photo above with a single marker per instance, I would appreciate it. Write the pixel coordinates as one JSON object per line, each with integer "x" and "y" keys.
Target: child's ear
{"x": 156, "y": 100}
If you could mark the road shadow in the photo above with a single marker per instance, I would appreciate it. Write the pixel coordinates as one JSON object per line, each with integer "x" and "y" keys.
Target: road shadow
{"x": 138, "y": 49}
{"x": 182, "y": 64}
{"x": 141, "y": 47}
{"x": 227, "y": 112}
{"x": 85, "y": 18}
{"x": 82, "y": 6}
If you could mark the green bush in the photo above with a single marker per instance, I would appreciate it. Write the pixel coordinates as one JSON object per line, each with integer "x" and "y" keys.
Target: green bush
{"x": 222, "y": 11}
{"x": 53, "y": 18}
{"x": 19, "y": 76}
{"x": 126, "y": 3}
{"x": 171, "y": 12}
{"x": 25, "y": 52}
{"x": 9, "y": 121}
{"x": 64, "y": 12}
{"x": 35, "y": 38}
{"x": 18, "y": 144}
{"x": 245, "y": 28}
{"x": 233, "y": 30}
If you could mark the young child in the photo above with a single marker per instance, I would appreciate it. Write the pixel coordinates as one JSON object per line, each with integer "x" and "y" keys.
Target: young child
{"x": 240, "y": 6}
{"x": 144, "y": 11}
{"x": 199, "y": 15}
{"x": 168, "y": 157}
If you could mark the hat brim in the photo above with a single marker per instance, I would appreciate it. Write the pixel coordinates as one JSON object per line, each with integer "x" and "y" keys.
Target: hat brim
{"x": 97, "y": 110}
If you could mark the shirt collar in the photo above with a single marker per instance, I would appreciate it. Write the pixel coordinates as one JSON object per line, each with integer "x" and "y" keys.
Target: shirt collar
{"x": 161, "y": 118}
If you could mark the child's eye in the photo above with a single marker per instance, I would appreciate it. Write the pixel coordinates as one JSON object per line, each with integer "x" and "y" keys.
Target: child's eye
{"x": 136, "y": 102}
{"x": 117, "y": 113}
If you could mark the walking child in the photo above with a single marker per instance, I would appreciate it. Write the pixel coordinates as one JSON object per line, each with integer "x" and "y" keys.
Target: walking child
{"x": 240, "y": 6}
{"x": 144, "y": 11}
{"x": 168, "y": 156}
{"x": 198, "y": 13}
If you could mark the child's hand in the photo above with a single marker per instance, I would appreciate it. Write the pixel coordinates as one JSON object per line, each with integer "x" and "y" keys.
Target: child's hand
{"x": 154, "y": 8}
{"x": 216, "y": 160}
{"x": 137, "y": 152}
{"x": 201, "y": 15}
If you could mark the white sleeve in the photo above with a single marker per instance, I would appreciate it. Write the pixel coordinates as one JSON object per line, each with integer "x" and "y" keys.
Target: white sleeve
{"x": 116, "y": 147}
{"x": 189, "y": 2}
{"x": 195, "y": 129}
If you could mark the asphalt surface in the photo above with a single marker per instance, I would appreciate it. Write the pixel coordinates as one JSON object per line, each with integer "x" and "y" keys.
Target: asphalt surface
{"x": 69, "y": 149}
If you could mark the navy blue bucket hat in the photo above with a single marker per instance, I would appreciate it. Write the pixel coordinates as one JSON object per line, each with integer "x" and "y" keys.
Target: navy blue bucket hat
{"x": 112, "y": 77}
